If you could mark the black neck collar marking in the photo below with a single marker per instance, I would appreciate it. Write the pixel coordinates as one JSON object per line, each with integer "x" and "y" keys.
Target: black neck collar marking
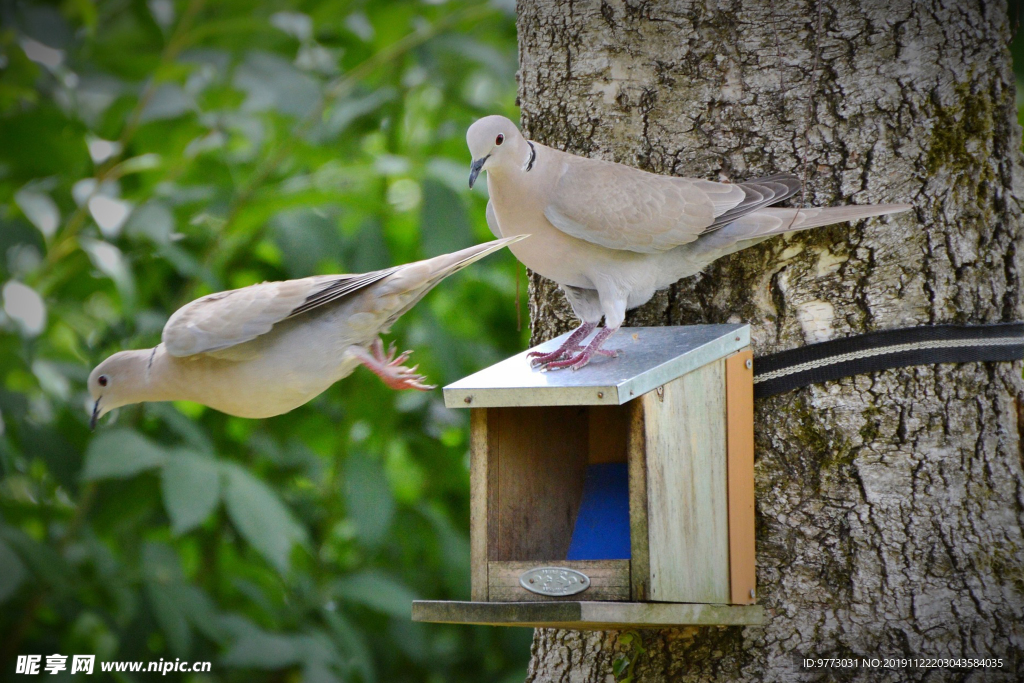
{"x": 533, "y": 157}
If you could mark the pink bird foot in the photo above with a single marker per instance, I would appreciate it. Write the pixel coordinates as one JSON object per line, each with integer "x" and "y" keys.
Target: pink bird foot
{"x": 585, "y": 355}
{"x": 568, "y": 347}
{"x": 389, "y": 367}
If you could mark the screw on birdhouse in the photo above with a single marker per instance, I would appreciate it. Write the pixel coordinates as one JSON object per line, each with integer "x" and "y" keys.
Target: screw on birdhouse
{"x": 660, "y": 391}
{"x": 600, "y": 394}
{"x": 468, "y": 399}
{"x": 749, "y": 364}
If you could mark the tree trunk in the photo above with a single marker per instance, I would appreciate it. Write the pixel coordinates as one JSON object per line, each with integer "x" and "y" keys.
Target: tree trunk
{"x": 890, "y": 506}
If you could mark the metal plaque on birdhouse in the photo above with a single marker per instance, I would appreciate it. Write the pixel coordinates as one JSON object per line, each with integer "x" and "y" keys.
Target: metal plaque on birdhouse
{"x": 554, "y": 581}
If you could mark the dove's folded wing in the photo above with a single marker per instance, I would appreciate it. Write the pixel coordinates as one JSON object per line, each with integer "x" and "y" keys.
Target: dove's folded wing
{"x": 620, "y": 207}
{"x": 225, "y": 319}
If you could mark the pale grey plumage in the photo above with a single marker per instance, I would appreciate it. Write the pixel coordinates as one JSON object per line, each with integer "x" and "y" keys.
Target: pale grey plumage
{"x": 263, "y": 350}
{"x": 612, "y": 235}
{"x": 227, "y": 319}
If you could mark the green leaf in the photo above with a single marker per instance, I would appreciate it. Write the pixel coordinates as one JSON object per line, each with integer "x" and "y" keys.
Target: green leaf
{"x": 258, "y": 649}
{"x": 48, "y": 567}
{"x": 352, "y": 643}
{"x": 40, "y": 209}
{"x": 191, "y": 488}
{"x": 164, "y": 581}
{"x": 619, "y": 665}
{"x": 153, "y": 221}
{"x": 368, "y": 496}
{"x": 202, "y": 613}
{"x": 271, "y": 82}
{"x": 444, "y": 224}
{"x": 119, "y": 454}
{"x": 168, "y": 102}
{"x": 305, "y": 238}
{"x": 192, "y": 432}
{"x": 318, "y": 672}
{"x": 351, "y": 108}
{"x": 169, "y": 614}
{"x": 110, "y": 260}
{"x": 12, "y": 572}
{"x": 377, "y": 591}
{"x": 261, "y": 517}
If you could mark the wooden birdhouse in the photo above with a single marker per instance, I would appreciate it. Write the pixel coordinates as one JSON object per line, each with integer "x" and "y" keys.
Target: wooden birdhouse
{"x": 620, "y": 495}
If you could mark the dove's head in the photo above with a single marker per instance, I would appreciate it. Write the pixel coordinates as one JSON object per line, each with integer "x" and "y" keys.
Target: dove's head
{"x": 495, "y": 142}
{"x": 118, "y": 381}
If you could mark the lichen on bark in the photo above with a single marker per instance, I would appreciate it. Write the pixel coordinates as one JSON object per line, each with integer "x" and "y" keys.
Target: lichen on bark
{"x": 890, "y": 513}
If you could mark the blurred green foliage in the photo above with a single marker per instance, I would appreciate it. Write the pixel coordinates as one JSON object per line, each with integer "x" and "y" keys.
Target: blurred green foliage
{"x": 152, "y": 151}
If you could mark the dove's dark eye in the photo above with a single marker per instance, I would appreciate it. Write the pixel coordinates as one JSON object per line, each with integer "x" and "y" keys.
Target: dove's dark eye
{"x": 102, "y": 379}
{"x": 500, "y": 139}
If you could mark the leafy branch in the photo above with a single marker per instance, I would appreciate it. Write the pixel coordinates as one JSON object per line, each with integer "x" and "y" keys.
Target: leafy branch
{"x": 625, "y": 664}
{"x": 335, "y": 90}
{"x": 114, "y": 167}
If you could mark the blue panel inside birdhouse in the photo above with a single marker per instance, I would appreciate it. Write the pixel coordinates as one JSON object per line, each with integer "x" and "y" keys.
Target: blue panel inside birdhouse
{"x": 602, "y": 525}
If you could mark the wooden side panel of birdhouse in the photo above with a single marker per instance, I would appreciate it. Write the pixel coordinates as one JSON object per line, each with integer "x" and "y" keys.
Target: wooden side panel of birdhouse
{"x": 687, "y": 511}
{"x": 636, "y": 451}
{"x": 739, "y": 380}
{"x": 478, "y": 466}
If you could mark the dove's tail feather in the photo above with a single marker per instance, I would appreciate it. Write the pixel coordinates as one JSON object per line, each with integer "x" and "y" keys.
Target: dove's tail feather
{"x": 444, "y": 265}
{"x": 771, "y": 221}
{"x": 411, "y": 282}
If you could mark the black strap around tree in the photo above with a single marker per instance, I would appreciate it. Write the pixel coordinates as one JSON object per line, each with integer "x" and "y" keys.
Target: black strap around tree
{"x": 780, "y": 372}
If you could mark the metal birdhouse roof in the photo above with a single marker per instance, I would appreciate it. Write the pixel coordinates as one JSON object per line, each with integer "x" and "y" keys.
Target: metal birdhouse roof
{"x": 650, "y": 357}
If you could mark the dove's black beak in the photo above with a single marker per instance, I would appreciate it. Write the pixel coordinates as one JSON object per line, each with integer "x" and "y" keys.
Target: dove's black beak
{"x": 95, "y": 416}
{"x": 474, "y": 169}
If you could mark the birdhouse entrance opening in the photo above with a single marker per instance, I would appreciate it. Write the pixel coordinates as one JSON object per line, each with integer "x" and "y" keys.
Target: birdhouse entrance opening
{"x": 550, "y": 465}
{"x": 558, "y": 495}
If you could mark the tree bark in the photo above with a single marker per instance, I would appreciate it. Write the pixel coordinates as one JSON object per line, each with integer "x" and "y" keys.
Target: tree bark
{"x": 890, "y": 506}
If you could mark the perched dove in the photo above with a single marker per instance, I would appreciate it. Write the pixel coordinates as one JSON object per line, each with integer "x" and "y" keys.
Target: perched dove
{"x": 611, "y": 235}
{"x": 263, "y": 350}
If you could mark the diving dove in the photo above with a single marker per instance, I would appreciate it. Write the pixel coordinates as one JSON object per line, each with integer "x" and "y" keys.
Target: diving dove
{"x": 263, "y": 350}
{"x": 611, "y": 235}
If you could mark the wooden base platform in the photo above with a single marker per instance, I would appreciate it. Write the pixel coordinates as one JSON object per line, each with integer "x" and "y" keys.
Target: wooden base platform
{"x": 586, "y": 616}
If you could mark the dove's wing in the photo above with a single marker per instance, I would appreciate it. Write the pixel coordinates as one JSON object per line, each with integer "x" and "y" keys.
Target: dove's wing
{"x": 620, "y": 207}
{"x": 225, "y": 319}
{"x": 758, "y": 193}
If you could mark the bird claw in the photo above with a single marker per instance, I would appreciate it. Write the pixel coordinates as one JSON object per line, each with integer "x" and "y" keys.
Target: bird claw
{"x": 539, "y": 359}
{"x": 574, "y": 363}
{"x": 582, "y": 357}
{"x": 388, "y": 366}
{"x": 569, "y": 347}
